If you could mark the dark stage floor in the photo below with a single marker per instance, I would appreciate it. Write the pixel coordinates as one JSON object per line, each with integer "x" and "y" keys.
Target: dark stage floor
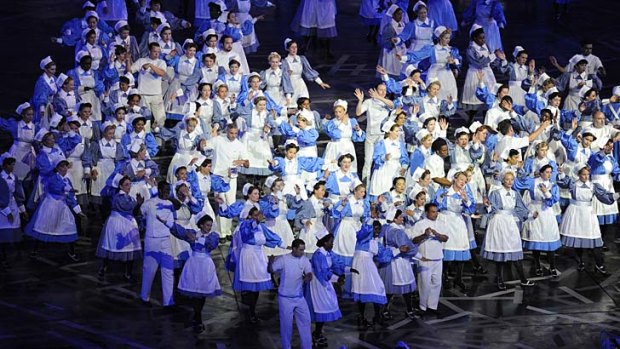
{"x": 51, "y": 302}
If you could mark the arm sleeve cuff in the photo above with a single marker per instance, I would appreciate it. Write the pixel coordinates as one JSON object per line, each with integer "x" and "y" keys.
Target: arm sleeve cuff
{"x": 318, "y": 81}
{"x": 22, "y": 209}
{"x": 148, "y": 171}
{"x": 5, "y": 211}
{"x": 59, "y": 40}
{"x": 77, "y": 209}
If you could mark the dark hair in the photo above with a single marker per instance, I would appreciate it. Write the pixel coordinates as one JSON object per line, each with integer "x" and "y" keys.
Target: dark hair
{"x": 544, "y": 168}
{"x": 428, "y": 206}
{"x": 84, "y": 105}
{"x": 224, "y": 37}
{"x": 252, "y": 210}
{"x": 210, "y": 55}
{"x": 190, "y": 45}
{"x": 124, "y": 79}
{"x": 288, "y": 44}
{"x": 476, "y": 33}
{"x": 504, "y": 126}
{"x": 503, "y": 87}
{"x": 125, "y": 178}
{"x": 521, "y": 53}
{"x": 119, "y": 50}
{"x": 398, "y": 213}
{"x": 233, "y": 61}
{"x": 204, "y": 219}
{"x": 297, "y": 242}
{"x": 205, "y": 163}
{"x": 8, "y": 161}
{"x": 161, "y": 186}
{"x": 507, "y": 98}
{"x": 396, "y": 179}
{"x": 156, "y": 21}
{"x": 513, "y": 152}
{"x": 317, "y": 185}
{"x": 437, "y": 144}
{"x": 251, "y": 189}
{"x": 322, "y": 241}
{"x": 291, "y": 146}
{"x": 179, "y": 169}
{"x": 553, "y": 95}
{"x": 342, "y": 157}
{"x": 153, "y": 44}
{"x": 301, "y": 100}
{"x": 203, "y": 84}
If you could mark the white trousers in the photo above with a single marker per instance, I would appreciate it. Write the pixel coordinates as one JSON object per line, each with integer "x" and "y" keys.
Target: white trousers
{"x": 429, "y": 283}
{"x": 155, "y": 103}
{"x": 297, "y": 307}
{"x": 230, "y": 197}
{"x": 369, "y": 148}
{"x": 158, "y": 253}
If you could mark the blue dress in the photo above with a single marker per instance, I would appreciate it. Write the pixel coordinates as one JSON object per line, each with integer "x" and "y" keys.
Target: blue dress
{"x": 120, "y": 237}
{"x": 319, "y": 292}
{"x": 397, "y": 274}
{"x": 367, "y": 286}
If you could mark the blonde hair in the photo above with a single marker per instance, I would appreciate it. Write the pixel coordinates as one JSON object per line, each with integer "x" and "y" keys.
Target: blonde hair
{"x": 274, "y": 55}
{"x": 433, "y": 83}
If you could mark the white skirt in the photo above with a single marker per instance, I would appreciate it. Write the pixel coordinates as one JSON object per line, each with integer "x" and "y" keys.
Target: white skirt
{"x": 471, "y": 84}
{"x": 253, "y": 264}
{"x": 335, "y": 148}
{"x": 199, "y": 275}
{"x": 502, "y": 234}
{"x": 601, "y": 209}
{"x": 76, "y": 172}
{"x": 105, "y": 168}
{"x": 299, "y": 89}
{"x": 388, "y": 60}
{"x": 54, "y": 217}
{"x": 458, "y": 239}
{"x": 447, "y": 80}
{"x": 346, "y": 236}
{"x": 324, "y": 298}
{"x": 24, "y": 157}
{"x": 258, "y": 148}
{"x": 368, "y": 281}
{"x": 580, "y": 222}
{"x": 543, "y": 228}
{"x": 120, "y": 234}
{"x": 282, "y": 228}
{"x": 381, "y": 180}
{"x": 516, "y": 92}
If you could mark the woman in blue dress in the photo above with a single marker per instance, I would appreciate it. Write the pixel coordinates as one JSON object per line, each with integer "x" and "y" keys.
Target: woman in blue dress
{"x": 249, "y": 261}
{"x": 44, "y": 90}
{"x": 442, "y": 12}
{"x": 293, "y": 66}
{"x": 322, "y": 299}
{"x": 293, "y": 168}
{"x": 349, "y": 213}
{"x": 489, "y": 14}
{"x": 342, "y": 131}
{"x": 277, "y": 207}
{"x": 309, "y": 219}
{"x": 53, "y": 221}
{"x": 12, "y": 210}
{"x": 22, "y": 130}
{"x": 199, "y": 276}
{"x": 120, "y": 237}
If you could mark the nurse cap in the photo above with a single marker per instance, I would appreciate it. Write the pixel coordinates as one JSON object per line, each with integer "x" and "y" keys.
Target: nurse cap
{"x": 187, "y": 41}
{"x": 119, "y": 25}
{"x": 417, "y": 174}
{"x": 91, "y": 14}
{"x": 355, "y": 183}
{"x": 321, "y": 233}
{"x": 426, "y": 116}
{"x": 440, "y": 30}
{"x": 118, "y": 106}
{"x": 420, "y": 135}
{"x": 505, "y": 153}
{"x": 461, "y": 129}
{"x": 134, "y": 117}
{"x": 223, "y": 17}
{"x": 45, "y": 61}
{"x": 135, "y": 146}
{"x": 391, "y": 213}
{"x": 270, "y": 180}
{"x": 341, "y": 103}
{"x": 475, "y": 126}
{"x": 39, "y": 136}
{"x": 5, "y": 156}
{"x": 162, "y": 26}
{"x": 55, "y": 120}
{"x": 22, "y": 107}
{"x": 88, "y": 4}
{"x": 73, "y": 119}
{"x": 474, "y": 27}
{"x": 310, "y": 185}
{"x": 208, "y": 32}
{"x": 201, "y": 159}
{"x": 246, "y": 189}
{"x": 286, "y": 41}
{"x": 516, "y": 51}
{"x": 116, "y": 181}
{"x": 201, "y": 216}
{"x": 59, "y": 161}
{"x": 419, "y": 4}
{"x": 80, "y": 55}
{"x": 579, "y": 167}
{"x": 550, "y": 91}
{"x": 107, "y": 124}
{"x": 504, "y": 172}
{"x": 589, "y": 131}
{"x": 616, "y": 91}
{"x": 583, "y": 90}
{"x": 410, "y": 68}
{"x": 60, "y": 80}
{"x": 414, "y": 192}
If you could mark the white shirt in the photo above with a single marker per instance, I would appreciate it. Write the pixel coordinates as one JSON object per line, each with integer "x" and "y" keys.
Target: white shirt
{"x": 150, "y": 209}
{"x": 292, "y": 270}
{"x": 149, "y": 83}
{"x": 376, "y": 111}
{"x": 430, "y": 248}
{"x": 225, "y": 152}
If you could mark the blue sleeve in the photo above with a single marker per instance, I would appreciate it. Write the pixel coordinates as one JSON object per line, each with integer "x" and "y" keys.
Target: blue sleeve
{"x": 273, "y": 240}
{"x": 247, "y": 27}
{"x": 308, "y": 72}
{"x": 393, "y": 86}
{"x": 555, "y": 196}
{"x": 454, "y": 52}
{"x": 357, "y": 137}
{"x": 486, "y": 97}
{"x": 378, "y": 155}
{"x": 332, "y": 130}
{"x": 320, "y": 270}
{"x": 310, "y": 164}
{"x": 306, "y": 211}
{"x": 603, "y": 195}
{"x": 417, "y": 160}
{"x": 234, "y": 33}
{"x": 534, "y": 103}
{"x": 269, "y": 207}
{"x": 151, "y": 145}
{"x": 413, "y": 57}
{"x": 341, "y": 212}
{"x": 9, "y": 125}
{"x": 477, "y": 60}
{"x": 279, "y": 167}
{"x": 219, "y": 185}
{"x": 498, "y": 14}
{"x": 521, "y": 210}
{"x": 231, "y": 211}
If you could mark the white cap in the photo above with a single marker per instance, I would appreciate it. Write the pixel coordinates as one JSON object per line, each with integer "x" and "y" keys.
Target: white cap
{"x": 200, "y": 216}
{"x": 616, "y": 91}
{"x": 208, "y": 32}
{"x": 550, "y": 91}
{"x": 80, "y": 55}
{"x": 321, "y": 233}
{"x": 419, "y": 4}
{"x": 91, "y": 14}
{"x": 116, "y": 181}
{"x": 45, "y": 61}
{"x": 504, "y": 172}
{"x": 187, "y": 41}
{"x": 414, "y": 192}
{"x": 286, "y": 41}
{"x": 59, "y": 160}
{"x": 583, "y": 90}
{"x": 474, "y": 27}
{"x": 246, "y": 189}
{"x": 516, "y": 51}
{"x": 55, "y": 120}
{"x": 390, "y": 214}
{"x": 119, "y": 25}
{"x": 223, "y": 17}
{"x": 341, "y": 103}
{"x": 390, "y": 11}
{"x": 159, "y": 15}
{"x": 542, "y": 78}
{"x": 39, "y": 136}
{"x": 133, "y": 116}
{"x": 136, "y": 145}
{"x": 475, "y": 126}
{"x": 439, "y": 30}
{"x": 253, "y": 74}
{"x": 88, "y": 4}
{"x": 578, "y": 167}
{"x": 201, "y": 159}
{"x": 420, "y": 135}
{"x": 162, "y": 26}
{"x": 22, "y": 107}
{"x": 60, "y": 80}
{"x": 119, "y": 105}
{"x": 107, "y": 124}
{"x": 426, "y": 116}
{"x": 460, "y": 130}
{"x": 410, "y": 68}
{"x": 505, "y": 153}
{"x": 417, "y": 174}
{"x": 133, "y": 91}
{"x": 73, "y": 118}
{"x": 270, "y": 180}
{"x": 355, "y": 183}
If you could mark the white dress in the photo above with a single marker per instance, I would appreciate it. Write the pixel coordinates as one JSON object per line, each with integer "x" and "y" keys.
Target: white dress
{"x": 381, "y": 180}
{"x": 199, "y": 275}
{"x": 502, "y": 235}
{"x": 543, "y": 228}
{"x": 346, "y": 231}
{"x": 369, "y": 282}
{"x": 257, "y": 143}
{"x": 308, "y": 235}
{"x": 273, "y": 85}
{"x": 387, "y": 57}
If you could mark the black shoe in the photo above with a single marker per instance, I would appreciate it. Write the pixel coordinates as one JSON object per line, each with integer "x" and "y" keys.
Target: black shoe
{"x": 146, "y": 304}
{"x": 581, "y": 266}
{"x": 34, "y": 254}
{"x": 460, "y": 284}
{"x": 411, "y": 314}
{"x": 554, "y": 273}
{"x": 229, "y": 237}
{"x": 101, "y": 273}
{"x": 223, "y": 240}
{"x": 362, "y": 323}
{"x": 319, "y": 341}
{"x": 501, "y": 286}
{"x": 198, "y": 327}
{"x": 539, "y": 271}
{"x": 387, "y": 315}
{"x": 601, "y": 269}
{"x": 527, "y": 283}
{"x": 605, "y": 248}
{"x": 480, "y": 270}
{"x": 253, "y": 319}
{"x": 74, "y": 257}
{"x": 128, "y": 277}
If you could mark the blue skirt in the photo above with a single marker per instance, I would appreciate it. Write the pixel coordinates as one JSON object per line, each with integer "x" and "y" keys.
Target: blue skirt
{"x": 369, "y": 298}
{"x": 542, "y": 246}
{"x": 574, "y": 242}
{"x": 456, "y": 256}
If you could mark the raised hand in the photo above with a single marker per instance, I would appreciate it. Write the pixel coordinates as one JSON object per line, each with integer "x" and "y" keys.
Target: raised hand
{"x": 359, "y": 94}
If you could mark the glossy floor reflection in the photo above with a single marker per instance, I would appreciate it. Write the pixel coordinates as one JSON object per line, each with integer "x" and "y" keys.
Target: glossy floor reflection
{"x": 51, "y": 302}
